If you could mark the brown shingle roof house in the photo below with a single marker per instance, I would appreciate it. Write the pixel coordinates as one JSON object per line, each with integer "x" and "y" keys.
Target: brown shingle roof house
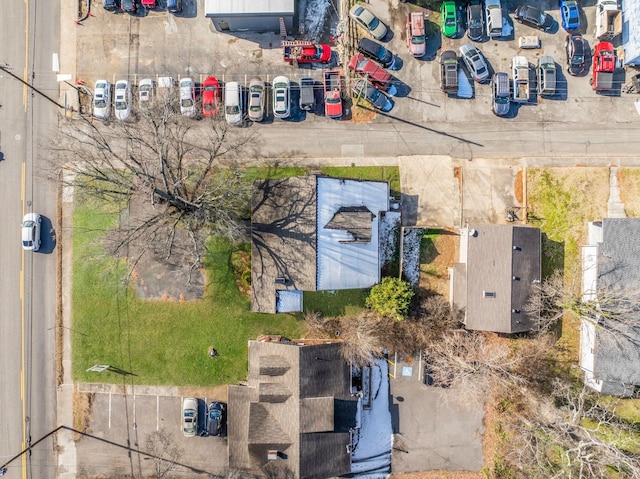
{"x": 293, "y": 417}
{"x": 493, "y": 280}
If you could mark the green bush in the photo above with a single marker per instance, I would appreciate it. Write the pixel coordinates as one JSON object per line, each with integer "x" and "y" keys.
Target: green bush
{"x": 391, "y": 298}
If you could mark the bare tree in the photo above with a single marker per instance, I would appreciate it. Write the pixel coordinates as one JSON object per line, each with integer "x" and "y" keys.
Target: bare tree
{"x": 161, "y": 445}
{"x": 174, "y": 173}
{"x": 475, "y": 363}
{"x": 571, "y": 434}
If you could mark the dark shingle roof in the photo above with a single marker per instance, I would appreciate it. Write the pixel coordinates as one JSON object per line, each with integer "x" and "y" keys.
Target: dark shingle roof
{"x": 304, "y": 411}
{"x": 283, "y": 238}
{"x": 617, "y": 358}
{"x": 502, "y": 263}
{"x": 356, "y": 220}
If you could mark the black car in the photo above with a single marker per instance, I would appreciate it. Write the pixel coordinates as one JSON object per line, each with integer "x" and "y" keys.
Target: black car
{"x": 377, "y": 52}
{"x": 110, "y": 5}
{"x": 128, "y": 5}
{"x": 366, "y": 90}
{"x": 214, "y": 419}
{"x": 534, "y": 17}
{"x": 576, "y": 54}
{"x": 475, "y": 21}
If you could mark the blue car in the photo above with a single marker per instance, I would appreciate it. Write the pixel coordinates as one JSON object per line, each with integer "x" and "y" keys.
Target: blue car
{"x": 570, "y": 15}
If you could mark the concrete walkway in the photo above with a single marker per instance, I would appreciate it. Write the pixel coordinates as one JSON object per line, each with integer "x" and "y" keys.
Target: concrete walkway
{"x": 615, "y": 207}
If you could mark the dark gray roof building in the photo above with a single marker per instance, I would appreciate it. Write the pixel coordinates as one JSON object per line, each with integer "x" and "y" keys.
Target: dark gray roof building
{"x": 610, "y": 351}
{"x": 313, "y": 233}
{"x": 492, "y": 282}
{"x": 295, "y": 413}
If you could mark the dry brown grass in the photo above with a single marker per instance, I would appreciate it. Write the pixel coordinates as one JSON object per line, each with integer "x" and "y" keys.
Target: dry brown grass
{"x": 434, "y": 262}
{"x": 82, "y": 409}
{"x": 629, "y": 179}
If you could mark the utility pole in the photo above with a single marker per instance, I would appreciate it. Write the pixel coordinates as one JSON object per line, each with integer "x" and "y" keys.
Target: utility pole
{"x": 5, "y": 68}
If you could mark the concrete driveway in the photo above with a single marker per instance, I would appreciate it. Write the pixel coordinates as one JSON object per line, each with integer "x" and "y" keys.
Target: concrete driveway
{"x": 432, "y": 430}
{"x": 444, "y": 192}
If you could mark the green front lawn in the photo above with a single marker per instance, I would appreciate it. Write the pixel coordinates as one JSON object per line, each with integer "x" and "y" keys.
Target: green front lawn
{"x": 163, "y": 343}
{"x": 374, "y": 173}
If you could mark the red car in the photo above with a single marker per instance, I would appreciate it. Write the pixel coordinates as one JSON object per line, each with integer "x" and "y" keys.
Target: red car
{"x": 604, "y": 65}
{"x": 374, "y": 72}
{"x": 306, "y": 52}
{"x": 210, "y": 96}
{"x": 148, "y": 3}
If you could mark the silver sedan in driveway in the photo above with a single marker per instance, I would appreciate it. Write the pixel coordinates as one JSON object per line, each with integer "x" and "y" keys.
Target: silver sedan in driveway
{"x": 475, "y": 62}
{"x": 190, "y": 417}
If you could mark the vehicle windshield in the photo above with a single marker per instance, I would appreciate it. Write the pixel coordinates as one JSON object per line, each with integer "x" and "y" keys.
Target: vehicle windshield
{"x": 450, "y": 21}
{"x": 418, "y": 39}
{"x": 145, "y": 88}
{"x": 209, "y": 107}
{"x": 502, "y": 100}
{"x": 254, "y": 108}
{"x": 29, "y": 224}
{"x": 333, "y": 101}
{"x": 577, "y": 59}
{"x": 186, "y": 102}
{"x": 373, "y": 24}
{"x": 121, "y": 105}
{"x": 100, "y": 103}
{"x": 480, "y": 70}
{"x": 232, "y": 109}
{"x": 209, "y": 88}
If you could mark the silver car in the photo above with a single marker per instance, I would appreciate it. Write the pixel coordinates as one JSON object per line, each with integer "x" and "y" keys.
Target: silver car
{"x": 190, "y": 417}
{"x": 31, "y": 232}
{"x": 188, "y": 97}
{"x": 122, "y": 103}
{"x": 256, "y": 99}
{"x": 500, "y": 93}
{"x": 102, "y": 99}
{"x": 369, "y": 21}
{"x": 281, "y": 97}
{"x": 475, "y": 62}
{"x": 145, "y": 92}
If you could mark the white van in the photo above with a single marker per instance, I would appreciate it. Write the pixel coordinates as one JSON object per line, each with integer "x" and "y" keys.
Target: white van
{"x": 493, "y": 13}
{"x": 233, "y": 108}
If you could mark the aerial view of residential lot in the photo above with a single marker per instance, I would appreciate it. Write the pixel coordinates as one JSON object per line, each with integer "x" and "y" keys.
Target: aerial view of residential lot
{"x": 321, "y": 238}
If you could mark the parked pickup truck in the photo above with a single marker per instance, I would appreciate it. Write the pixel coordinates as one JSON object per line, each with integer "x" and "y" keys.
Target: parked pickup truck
{"x": 416, "y": 39}
{"x": 604, "y": 64}
{"x": 332, "y": 94}
{"x": 305, "y": 52}
{"x": 608, "y": 19}
{"x": 520, "y": 76}
{"x": 373, "y": 72}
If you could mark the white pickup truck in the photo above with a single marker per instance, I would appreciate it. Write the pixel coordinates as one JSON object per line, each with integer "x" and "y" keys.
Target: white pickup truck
{"x": 520, "y": 75}
{"x": 608, "y": 19}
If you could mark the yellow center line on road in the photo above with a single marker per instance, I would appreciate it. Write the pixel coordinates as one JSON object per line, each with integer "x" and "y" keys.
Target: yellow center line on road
{"x": 23, "y": 188}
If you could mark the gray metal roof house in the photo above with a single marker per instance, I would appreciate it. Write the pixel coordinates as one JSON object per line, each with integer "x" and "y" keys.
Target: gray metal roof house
{"x": 293, "y": 417}
{"x": 492, "y": 280}
{"x": 313, "y": 233}
{"x": 610, "y": 343}
{"x": 252, "y": 15}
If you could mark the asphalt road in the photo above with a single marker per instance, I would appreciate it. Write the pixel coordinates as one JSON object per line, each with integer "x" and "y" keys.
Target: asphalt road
{"x": 27, "y": 295}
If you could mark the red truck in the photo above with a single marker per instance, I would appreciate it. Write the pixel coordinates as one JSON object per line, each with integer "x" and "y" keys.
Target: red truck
{"x": 149, "y": 3}
{"x": 332, "y": 94}
{"x": 604, "y": 64}
{"x": 305, "y": 52}
{"x": 416, "y": 39}
{"x": 377, "y": 75}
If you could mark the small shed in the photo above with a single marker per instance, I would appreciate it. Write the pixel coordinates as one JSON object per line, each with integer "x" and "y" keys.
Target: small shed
{"x": 252, "y": 15}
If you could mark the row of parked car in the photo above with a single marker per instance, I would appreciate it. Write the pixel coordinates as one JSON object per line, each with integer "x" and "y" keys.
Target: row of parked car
{"x": 214, "y": 418}
{"x": 131, "y": 6}
{"x": 205, "y": 99}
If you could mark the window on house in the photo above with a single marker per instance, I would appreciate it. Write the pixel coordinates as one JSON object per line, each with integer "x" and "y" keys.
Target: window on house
{"x": 489, "y": 294}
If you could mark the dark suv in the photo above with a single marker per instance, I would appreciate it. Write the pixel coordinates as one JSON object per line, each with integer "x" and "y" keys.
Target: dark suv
{"x": 377, "y": 52}
{"x": 534, "y": 17}
{"x": 110, "y": 5}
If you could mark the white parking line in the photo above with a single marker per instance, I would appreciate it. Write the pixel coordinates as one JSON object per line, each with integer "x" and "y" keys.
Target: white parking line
{"x": 109, "y": 410}
{"x": 157, "y": 413}
{"x": 135, "y": 425}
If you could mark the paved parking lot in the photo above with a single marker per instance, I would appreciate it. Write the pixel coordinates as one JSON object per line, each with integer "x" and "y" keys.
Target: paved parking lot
{"x": 120, "y": 424}
{"x": 124, "y": 46}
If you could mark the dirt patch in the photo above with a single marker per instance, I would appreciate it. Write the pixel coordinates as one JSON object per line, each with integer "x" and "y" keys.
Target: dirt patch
{"x": 82, "y": 410}
{"x": 362, "y": 112}
{"x": 436, "y": 256}
{"x": 517, "y": 188}
{"x": 629, "y": 179}
{"x": 219, "y": 393}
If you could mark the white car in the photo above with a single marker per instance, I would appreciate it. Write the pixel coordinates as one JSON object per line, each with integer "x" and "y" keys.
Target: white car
{"x": 122, "y": 103}
{"x": 369, "y": 21}
{"x": 188, "y": 97}
{"x": 281, "y": 97}
{"x": 233, "y": 108}
{"x": 190, "y": 417}
{"x": 145, "y": 92}
{"x": 31, "y": 232}
{"x": 102, "y": 99}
